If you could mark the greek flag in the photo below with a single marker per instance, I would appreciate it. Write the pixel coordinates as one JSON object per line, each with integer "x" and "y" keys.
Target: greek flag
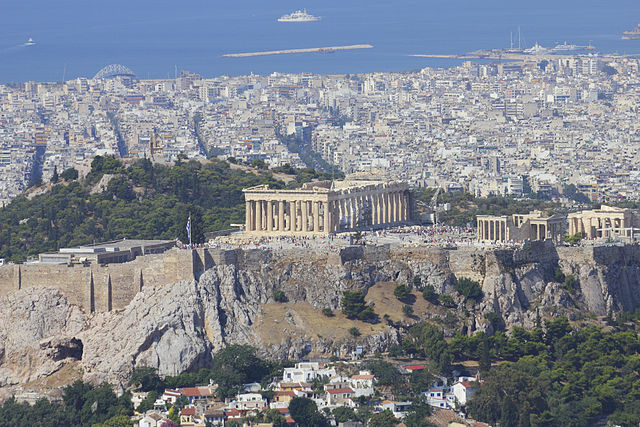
{"x": 189, "y": 229}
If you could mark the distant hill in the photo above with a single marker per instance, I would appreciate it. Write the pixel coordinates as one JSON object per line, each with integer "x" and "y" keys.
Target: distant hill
{"x": 140, "y": 200}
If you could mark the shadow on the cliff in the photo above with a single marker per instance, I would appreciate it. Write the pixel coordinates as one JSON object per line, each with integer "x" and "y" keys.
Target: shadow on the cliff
{"x": 531, "y": 267}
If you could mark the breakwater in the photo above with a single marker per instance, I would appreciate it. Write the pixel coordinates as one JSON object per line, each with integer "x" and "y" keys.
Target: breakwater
{"x": 327, "y": 49}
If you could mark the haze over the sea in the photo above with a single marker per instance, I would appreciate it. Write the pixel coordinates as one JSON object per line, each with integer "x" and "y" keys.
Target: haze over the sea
{"x": 77, "y": 38}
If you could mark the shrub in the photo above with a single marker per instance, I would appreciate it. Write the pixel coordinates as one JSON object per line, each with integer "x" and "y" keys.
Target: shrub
{"x": 494, "y": 319}
{"x": 574, "y": 239}
{"x": 354, "y": 331}
{"x": 417, "y": 282}
{"x": 327, "y": 312}
{"x": 469, "y": 289}
{"x": 407, "y": 310}
{"x": 570, "y": 284}
{"x": 429, "y": 294}
{"x": 353, "y": 306}
{"x": 279, "y": 296}
{"x": 69, "y": 174}
{"x": 446, "y": 300}
{"x": 401, "y": 292}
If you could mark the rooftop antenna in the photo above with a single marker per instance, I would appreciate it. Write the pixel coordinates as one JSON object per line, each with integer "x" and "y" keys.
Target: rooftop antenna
{"x": 175, "y": 71}
{"x": 511, "y": 40}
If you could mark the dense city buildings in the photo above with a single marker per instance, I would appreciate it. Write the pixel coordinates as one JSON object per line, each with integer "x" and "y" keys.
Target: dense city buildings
{"x": 503, "y": 128}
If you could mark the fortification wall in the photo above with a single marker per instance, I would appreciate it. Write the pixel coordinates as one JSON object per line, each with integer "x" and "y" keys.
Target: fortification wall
{"x": 99, "y": 288}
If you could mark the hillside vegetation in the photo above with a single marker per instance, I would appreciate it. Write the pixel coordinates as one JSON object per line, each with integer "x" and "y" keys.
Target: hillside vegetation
{"x": 141, "y": 201}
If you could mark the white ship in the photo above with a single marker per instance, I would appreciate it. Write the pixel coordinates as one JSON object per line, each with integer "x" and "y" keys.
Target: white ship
{"x": 536, "y": 50}
{"x": 565, "y": 46}
{"x": 30, "y": 42}
{"x": 298, "y": 16}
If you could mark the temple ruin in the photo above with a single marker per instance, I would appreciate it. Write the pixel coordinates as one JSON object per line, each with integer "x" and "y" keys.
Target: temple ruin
{"x": 326, "y": 207}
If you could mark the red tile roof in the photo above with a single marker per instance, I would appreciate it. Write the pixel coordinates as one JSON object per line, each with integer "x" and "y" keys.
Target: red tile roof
{"x": 191, "y": 391}
{"x": 415, "y": 367}
{"x": 188, "y": 411}
{"x": 362, "y": 377}
{"x": 340, "y": 390}
{"x": 232, "y": 412}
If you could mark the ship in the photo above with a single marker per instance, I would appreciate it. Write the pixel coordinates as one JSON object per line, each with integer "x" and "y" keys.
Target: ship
{"x": 565, "y": 47}
{"x": 632, "y": 34}
{"x": 298, "y": 16}
{"x": 536, "y": 50}
{"x": 30, "y": 42}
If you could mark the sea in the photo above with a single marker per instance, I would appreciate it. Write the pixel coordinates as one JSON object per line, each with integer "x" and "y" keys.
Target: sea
{"x": 76, "y": 38}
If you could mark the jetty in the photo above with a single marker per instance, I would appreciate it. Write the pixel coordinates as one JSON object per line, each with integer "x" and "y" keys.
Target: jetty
{"x": 307, "y": 50}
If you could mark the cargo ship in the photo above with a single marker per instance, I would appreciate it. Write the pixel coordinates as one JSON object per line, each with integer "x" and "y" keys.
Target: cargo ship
{"x": 298, "y": 16}
{"x": 632, "y": 34}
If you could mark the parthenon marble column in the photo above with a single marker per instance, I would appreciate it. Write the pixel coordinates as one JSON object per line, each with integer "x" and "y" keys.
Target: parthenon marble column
{"x": 281, "y": 215}
{"x": 247, "y": 222}
{"x": 304, "y": 210}
{"x": 292, "y": 216}
{"x": 269, "y": 215}
{"x": 259, "y": 215}
{"x": 352, "y": 213}
{"x": 316, "y": 217}
{"x": 327, "y": 216}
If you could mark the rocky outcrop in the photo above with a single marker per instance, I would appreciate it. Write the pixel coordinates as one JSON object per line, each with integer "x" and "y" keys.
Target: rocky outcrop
{"x": 179, "y": 326}
{"x": 37, "y": 334}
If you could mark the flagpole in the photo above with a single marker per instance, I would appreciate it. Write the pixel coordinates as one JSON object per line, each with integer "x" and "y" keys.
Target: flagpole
{"x": 189, "y": 229}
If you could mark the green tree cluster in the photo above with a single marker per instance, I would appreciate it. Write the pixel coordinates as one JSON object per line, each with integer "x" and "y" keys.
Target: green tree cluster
{"x": 557, "y": 375}
{"x": 401, "y": 292}
{"x": 354, "y": 307}
{"x": 429, "y": 294}
{"x": 469, "y": 289}
{"x": 141, "y": 201}
{"x": 83, "y": 405}
{"x": 232, "y": 366}
{"x": 305, "y": 412}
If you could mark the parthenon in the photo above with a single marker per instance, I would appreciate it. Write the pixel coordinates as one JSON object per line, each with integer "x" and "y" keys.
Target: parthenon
{"x": 326, "y": 207}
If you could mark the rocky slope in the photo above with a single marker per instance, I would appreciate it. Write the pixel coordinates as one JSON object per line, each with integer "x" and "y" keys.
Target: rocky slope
{"x": 177, "y": 327}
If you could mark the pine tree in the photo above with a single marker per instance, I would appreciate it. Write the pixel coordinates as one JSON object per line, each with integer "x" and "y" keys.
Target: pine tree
{"x": 484, "y": 364}
{"x": 509, "y": 416}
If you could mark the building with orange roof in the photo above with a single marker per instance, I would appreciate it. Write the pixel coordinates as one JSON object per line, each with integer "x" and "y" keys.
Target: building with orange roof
{"x": 340, "y": 397}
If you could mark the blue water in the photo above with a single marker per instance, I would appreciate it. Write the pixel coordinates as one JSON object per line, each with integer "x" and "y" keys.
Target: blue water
{"x": 77, "y": 38}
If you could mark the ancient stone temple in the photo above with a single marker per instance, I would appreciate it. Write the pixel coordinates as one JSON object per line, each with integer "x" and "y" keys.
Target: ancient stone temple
{"x": 326, "y": 207}
{"x": 606, "y": 222}
{"x": 532, "y": 226}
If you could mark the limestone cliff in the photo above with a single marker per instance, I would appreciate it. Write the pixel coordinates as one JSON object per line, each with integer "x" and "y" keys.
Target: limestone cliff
{"x": 178, "y": 326}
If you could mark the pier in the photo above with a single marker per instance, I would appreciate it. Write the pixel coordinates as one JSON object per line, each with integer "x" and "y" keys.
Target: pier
{"x": 308, "y": 50}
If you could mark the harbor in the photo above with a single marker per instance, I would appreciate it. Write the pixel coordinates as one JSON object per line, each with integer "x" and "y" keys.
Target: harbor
{"x": 327, "y": 49}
